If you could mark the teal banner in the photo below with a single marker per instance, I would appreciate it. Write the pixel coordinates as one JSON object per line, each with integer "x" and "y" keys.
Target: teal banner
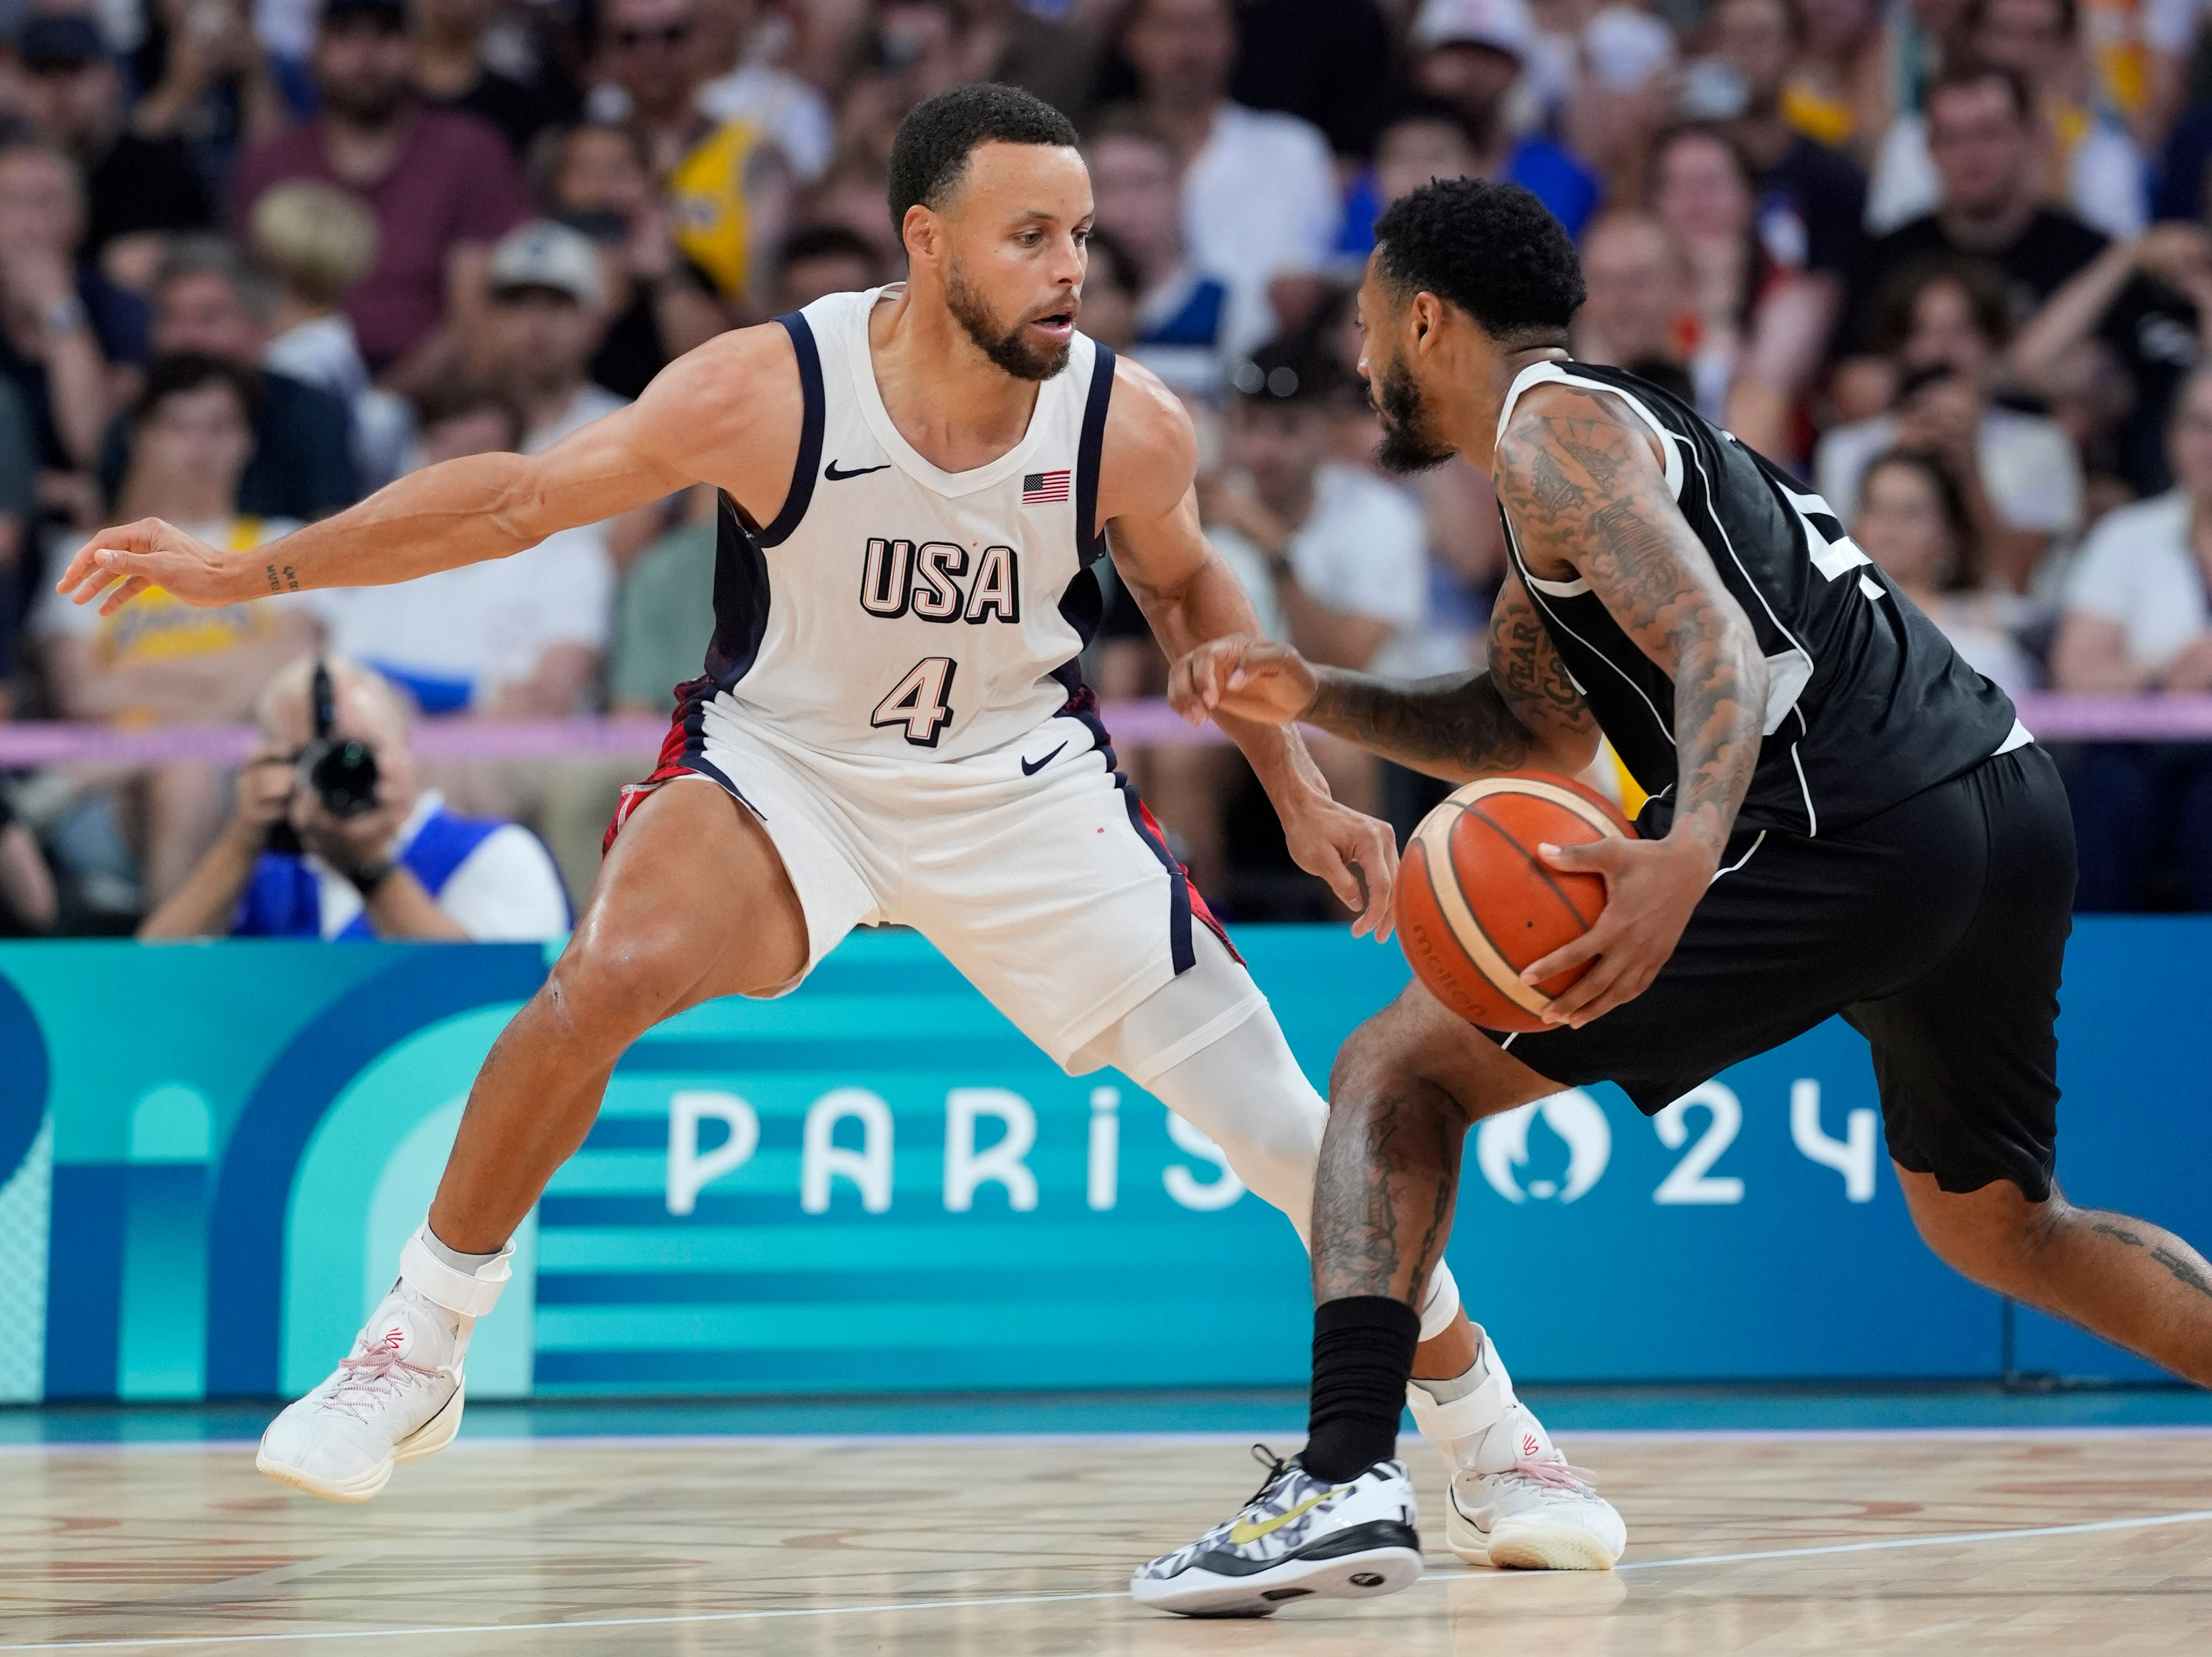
{"x": 210, "y": 1154}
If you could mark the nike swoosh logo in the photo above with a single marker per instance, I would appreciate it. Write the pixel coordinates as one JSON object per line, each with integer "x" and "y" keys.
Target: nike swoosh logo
{"x": 1244, "y": 1530}
{"x": 1028, "y": 770}
{"x": 834, "y": 476}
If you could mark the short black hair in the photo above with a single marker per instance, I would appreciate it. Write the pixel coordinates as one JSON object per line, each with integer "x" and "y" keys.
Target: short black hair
{"x": 1979, "y": 72}
{"x": 1491, "y": 249}
{"x": 938, "y": 134}
{"x": 182, "y": 373}
{"x": 1896, "y": 301}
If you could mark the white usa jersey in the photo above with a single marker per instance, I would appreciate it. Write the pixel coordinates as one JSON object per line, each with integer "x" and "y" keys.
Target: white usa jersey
{"x": 893, "y": 609}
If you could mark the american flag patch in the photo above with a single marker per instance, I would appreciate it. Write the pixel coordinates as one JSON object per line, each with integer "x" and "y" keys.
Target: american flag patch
{"x": 1043, "y": 488}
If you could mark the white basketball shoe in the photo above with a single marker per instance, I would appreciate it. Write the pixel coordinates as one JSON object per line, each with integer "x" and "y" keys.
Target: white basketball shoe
{"x": 1298, "y": 1539}
{"x": 398, "y": 1396}
{"x": 1514, "y": 1500}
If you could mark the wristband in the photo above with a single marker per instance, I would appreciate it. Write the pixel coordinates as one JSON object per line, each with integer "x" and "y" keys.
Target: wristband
{"x": 369, "y": 876}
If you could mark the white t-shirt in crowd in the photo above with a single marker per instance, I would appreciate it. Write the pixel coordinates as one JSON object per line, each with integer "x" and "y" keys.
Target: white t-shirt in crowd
{"x": 590, "y": 402}
{"x": 2138, "y": 569}
{"x": 1259, "y": 200}
{"x": 1362, "y": 551}
{"x": 505, "y": 891}
{"x": 2029, "y": 469}
{"x": 789, "y": 113}
{"x": 2107, "y": 186}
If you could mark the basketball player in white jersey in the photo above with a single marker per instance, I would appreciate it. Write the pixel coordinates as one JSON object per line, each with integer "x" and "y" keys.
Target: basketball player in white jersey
{"x": 890, "y": 729}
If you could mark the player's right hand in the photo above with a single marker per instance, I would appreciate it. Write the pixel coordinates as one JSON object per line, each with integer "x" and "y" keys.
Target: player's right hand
{"x": 1244, "y": 677}
{"x": 123, "y": 563}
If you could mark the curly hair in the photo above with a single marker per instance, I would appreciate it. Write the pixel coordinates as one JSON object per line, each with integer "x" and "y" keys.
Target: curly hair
{"x": 1896, "y": 303}
{"x": 1491, "y": 249}
{"x": 938, "y": 134}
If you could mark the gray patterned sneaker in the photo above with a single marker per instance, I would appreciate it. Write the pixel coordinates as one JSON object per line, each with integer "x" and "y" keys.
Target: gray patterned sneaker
{"x": 1298, "y": 1539}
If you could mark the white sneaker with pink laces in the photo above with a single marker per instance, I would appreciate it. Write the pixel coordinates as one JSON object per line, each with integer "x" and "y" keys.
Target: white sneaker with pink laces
{"x": 397, "y": 1397}
{"x": 1514, "y": 1499}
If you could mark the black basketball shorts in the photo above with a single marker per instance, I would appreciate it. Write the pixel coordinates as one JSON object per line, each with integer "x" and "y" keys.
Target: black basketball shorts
{"x": 1936, "y": 928}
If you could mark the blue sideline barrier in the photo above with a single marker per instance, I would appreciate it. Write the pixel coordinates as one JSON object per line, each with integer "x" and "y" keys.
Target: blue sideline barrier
{"x": 209, "y": 1156}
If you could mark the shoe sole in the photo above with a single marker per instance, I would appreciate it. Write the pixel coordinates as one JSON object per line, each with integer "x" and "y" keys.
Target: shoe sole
{"x": 432, "y": 1436}
{"x": 1389, "y": 1561}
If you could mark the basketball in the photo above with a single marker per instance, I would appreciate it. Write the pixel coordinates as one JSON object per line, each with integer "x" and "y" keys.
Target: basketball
{"x": 1476, "y": 904}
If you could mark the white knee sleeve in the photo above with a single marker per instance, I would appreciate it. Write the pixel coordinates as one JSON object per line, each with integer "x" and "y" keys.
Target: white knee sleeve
{"x": 1245, "y": 1092}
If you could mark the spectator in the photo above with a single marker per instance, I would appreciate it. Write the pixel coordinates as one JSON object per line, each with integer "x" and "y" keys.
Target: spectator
{"x": 2143, "y": 305}
{"x": 209, "y": 298}
{"x": 317, "y": 242}
{"x": 853, "y": 198}
{"x": 441, "y": 183}
{"x": 405, "y": 869}
{"x": 205, "y": 79}
{"x": 1759, "y": 329}
{"x": 135, "y": 187}
{"x": 2137, "y": 620}
{"x": 27, "y": 899}
{"x": 742, "y": 86}
{"x": 1183, "y": 312}
{"x": 68, "y": 338}
{"x": 1838, "y": 90}
{"x": 1942, "y": 323}
{"x": 1328, "y": 62}
{"x": 1914, "y": 521}
{"x": 549, "y": 300}
{"x": 452, "y": 71}
{"x": 728, "y": 194}
{"x": 1109, "y": 292}
{"x": 661, "y": 629}
{"x": 1056, "y": 57}
{"x": 1259, "y": 205}
{"x": 2084, "y": 160}
{"x": 1469, "y": 54}
{"x": 824, "y": 258}
{"x": 161, "y": 661}
{"x": 1811, "y": 199}
{"x": 1637, "y": 315}
{"x": 20, "y": 572}
{"x": 662, "y": 304}
{"x": 913, "y": 52}
{"x": 517, "y": 637}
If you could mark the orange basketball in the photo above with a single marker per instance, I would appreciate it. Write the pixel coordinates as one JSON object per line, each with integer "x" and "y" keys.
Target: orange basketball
{"x": 1476, "y": 906}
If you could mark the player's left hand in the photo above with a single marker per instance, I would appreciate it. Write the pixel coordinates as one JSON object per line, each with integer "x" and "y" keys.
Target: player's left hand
{"x": 1650, "y": 888}
{"x": 1356, "y": 855}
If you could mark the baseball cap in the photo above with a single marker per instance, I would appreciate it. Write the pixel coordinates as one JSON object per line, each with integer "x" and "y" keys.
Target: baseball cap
{"x": 1503, "y": 25}
{"x": 543, "y": 254}
{"x": 64, "y": 42}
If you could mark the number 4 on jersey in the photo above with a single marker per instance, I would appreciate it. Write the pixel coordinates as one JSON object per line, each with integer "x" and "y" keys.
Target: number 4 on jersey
{"x": 919, "y": 702}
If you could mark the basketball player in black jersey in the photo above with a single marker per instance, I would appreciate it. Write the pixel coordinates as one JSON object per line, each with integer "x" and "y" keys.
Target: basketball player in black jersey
{"x": 1844, "y": 818}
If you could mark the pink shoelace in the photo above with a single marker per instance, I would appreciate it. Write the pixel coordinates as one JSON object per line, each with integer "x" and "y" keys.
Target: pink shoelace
{"x": 366, "y": 1377}
{"x": 1555, "y": 1470}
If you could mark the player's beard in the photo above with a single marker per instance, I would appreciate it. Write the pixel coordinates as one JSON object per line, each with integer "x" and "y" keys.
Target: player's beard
{"x": 1406, "y": 447}
{"x": 1010, "y": 348}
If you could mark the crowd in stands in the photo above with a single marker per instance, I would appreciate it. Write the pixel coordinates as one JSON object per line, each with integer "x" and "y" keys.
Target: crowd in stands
{"x": 1947, "y": 260}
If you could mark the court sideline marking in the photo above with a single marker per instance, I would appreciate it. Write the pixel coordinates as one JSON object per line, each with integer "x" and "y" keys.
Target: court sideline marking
{"x": 1961, "y": 1538}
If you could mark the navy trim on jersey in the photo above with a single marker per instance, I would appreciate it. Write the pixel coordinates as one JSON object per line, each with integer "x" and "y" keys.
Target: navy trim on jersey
{"x": 801, "y": 495}
{"x": 1084, "y": 708}
{"x": 1088, "y": 541}
{"x": 741, "y": 597}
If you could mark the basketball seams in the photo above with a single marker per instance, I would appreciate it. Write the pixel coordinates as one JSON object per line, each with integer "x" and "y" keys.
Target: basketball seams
{"x": 1571, "y": 799}
{"x": 1534, "y": 861}
{"x": 1434, "y": 837}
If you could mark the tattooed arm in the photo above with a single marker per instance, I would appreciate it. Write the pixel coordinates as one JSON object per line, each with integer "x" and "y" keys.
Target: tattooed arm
{"x": 1523, "y": 712}
{"x": 1582, "y": 487}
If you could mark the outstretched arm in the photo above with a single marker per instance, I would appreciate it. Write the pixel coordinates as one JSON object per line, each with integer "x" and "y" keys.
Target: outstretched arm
{"x": 728, "y": 413}
{"x": 1189, "y": 596}
{"x": 1583, "y": 489}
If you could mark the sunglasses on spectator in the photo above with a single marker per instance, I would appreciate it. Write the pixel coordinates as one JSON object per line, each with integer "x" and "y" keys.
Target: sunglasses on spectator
{"x": 668, "y": 34}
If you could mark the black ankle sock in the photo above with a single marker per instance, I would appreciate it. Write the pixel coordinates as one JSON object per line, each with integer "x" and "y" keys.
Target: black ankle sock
{"x": 1362, "y": 1352}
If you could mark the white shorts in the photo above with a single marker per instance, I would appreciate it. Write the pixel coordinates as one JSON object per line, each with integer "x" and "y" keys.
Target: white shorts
{"x": 1033, "y": 869}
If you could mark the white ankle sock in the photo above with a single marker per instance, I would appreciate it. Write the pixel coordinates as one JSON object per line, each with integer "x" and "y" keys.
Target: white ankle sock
{"x": 453, "y": 1256}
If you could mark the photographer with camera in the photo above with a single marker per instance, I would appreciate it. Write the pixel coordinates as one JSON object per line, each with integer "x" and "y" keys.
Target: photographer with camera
{"x": 334, "y": 837}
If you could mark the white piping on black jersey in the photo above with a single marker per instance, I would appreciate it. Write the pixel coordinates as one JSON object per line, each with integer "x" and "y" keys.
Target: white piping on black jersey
{"x": 1552, "y": 617}
{"x": 1713, "y": 511}
{"x": 1746, "y": 856}
{"x": 1544, "y": 374}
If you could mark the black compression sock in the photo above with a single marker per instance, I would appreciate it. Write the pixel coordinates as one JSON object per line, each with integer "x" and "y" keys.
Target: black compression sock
{"x": 1363, "y": 1354}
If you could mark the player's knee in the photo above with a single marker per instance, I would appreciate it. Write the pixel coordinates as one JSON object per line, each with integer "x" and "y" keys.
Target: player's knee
{"x": 1384, "y": 1058}
{"x": 1998, "y": 1236}
{"x": 601, "y": 993}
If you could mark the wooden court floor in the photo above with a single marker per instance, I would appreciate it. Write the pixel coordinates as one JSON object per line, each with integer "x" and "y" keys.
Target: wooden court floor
{"x": 2046, "y": 1544}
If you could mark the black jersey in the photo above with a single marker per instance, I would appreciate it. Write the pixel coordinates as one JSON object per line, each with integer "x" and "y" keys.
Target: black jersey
{"x": 1867, "y": 705}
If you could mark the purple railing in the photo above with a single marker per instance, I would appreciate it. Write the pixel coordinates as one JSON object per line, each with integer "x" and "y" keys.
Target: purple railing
{"x": 28, "y": 743}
